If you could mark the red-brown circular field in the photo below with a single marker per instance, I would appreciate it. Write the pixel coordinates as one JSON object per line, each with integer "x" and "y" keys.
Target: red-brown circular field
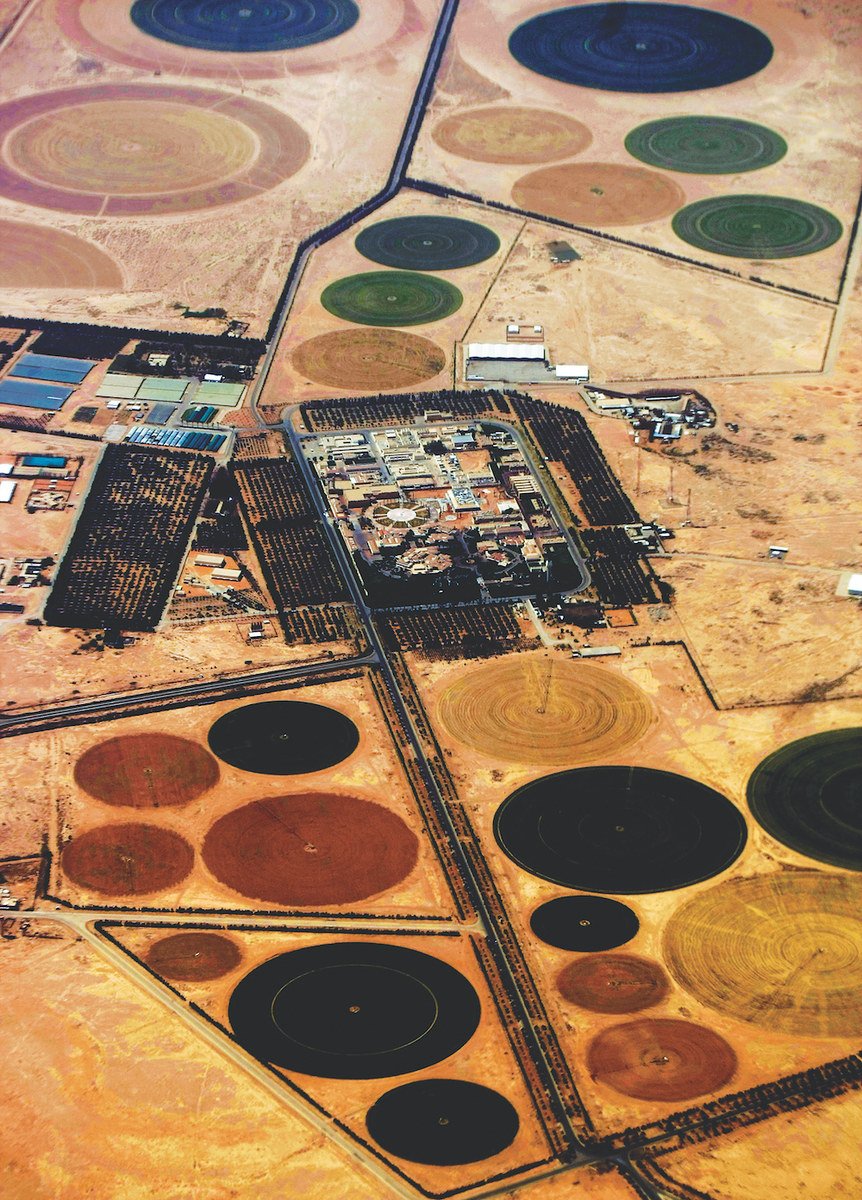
{"x": 193, "y": 957}
{"x": 116, "y": 149}
{"x": 312, "y": 848}
{"x": 35, "y": 256}
{"x": 597, "y": 194}
{"x": 661, "y": 1059}
{"x": 146, "y": 770}
{"x": 613, "y": 983}
{"x": 105, "y": 30}
{"x": 127, "y": 860}
{"x": 511, "y": 134}
{"x": 368, "y": 358}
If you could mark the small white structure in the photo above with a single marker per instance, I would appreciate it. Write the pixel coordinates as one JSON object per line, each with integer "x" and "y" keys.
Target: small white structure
{"x": 854, "y": 585}
{"x": 577, "y": 372}
{"x": 7, "y": 490}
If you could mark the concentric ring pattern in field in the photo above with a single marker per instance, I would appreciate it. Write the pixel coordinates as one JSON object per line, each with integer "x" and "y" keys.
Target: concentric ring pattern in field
{"x": 613, "y": 983}
{"x": 757, "y": 227}
{"x": 127, "y": 860}
{"x": 545, "y": 712}
{"x": 444, "y": 1122}
{"x": 783, "y": 951}
{"x": 354, "y": 1010}
{"x": 584, "y": 923}
{"x": 244, "y": 26}
{"x": 387, "y": 298}
{"x": 598, "y": 194}
{"x": 36, "y": 256}
{"x": 427, "y": 243}
{"x": 115, "y": 149}
{"x": 706, "y": 145}
{"x": 619, "y": 829}
{"x": 310, "y": 848}
{"x": 146, "y": 770}
{"x": 640, "y": 47}
{"x": 808, "y": 795}
{"x": 510, "y": 134}
{"x": 369, "y": 358}
{"x": 661, "y": 1059}
{"x": 283, "y": 737}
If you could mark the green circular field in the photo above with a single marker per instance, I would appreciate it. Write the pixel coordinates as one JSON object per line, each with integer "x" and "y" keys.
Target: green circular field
{"x": 391, "y": 298}
{"x": 706, "y": 145}
{"x": 757, "y": 226}
{"x": 808, "y": 795}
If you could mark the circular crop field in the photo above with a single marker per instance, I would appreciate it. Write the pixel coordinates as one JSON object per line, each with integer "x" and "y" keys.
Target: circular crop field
{"x": 193, "y": 957}
{"x": 244, "y": 26}
{"x": 545, "y": 712}
{"x": 127, "y": 860}
{"x": 146, "y": 770}
{"x": 283, "y": 737}
{"x": 354, "y": 1010}
{"x": 427, "y": 243}
{"x": 644, "y": 47}
{"x": 381, "y": 359}
{"x": 35, "y": 256}
{"x": 116, "y": 149}
{"x": 510, "y": 134}
{"x": 391, "y": 298}
{"x": 808, "y": 795}
{"x": 661, "y": 1059}
{"x": 443, "y": 1122}
{"x": 757, "y": 227}
{"x": 781, "y": 951}
{"x": 598, "y": 194}
{"x": 310, "y": 849}
{"x": 613, "y": 983}
{"x": 706, "y": 145}
{"x": 585, "y": 923}
{"x": 619, "y": 829}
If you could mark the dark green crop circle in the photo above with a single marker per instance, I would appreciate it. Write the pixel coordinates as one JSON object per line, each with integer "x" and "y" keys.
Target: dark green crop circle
{"x": 391, "y": 298}
{"x": 757, "y": 226}
{"x": 706, "y": 145}
{"x": 427, "y": 243}
{"x": 808, "y": 796}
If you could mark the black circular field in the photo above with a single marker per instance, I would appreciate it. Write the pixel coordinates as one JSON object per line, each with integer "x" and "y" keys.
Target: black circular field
{"x": 584, "y": 923}
{"x": 354, "y": 1010}
{"x": 444, "y": 1122}
{"x": 283, "y": 737}
{"x": 808, "y": 795}
{"x": 427, "y": 243}
{"x": 619, "y": 829}
{"x": 244, "y": 26}
{"x": 391, "y": 298}
{"x": 640, "y": 47}
{"x": 706, "y": 145}
{"x": 757, "y": 226}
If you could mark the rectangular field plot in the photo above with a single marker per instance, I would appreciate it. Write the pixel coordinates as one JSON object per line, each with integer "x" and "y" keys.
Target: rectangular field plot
{"x": 129, "y": 541}
{"x": 226, "y": 395}
{"x": 166, "y": 390}
{"x": 60, "y": 370}
{"x": 50, "y": 396}
{"x": 119, "y": 387}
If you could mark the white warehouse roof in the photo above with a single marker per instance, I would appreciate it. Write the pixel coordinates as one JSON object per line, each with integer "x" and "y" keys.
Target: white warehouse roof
{"x": 573, "y": 371}
{"x": 505, "y": 350}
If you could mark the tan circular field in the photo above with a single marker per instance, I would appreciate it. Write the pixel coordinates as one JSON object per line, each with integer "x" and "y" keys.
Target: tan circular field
{"x": 115, "y": 149}
{"x": 34, "y": 256}
{"x": 782, "y": 951}
{"x": 146, "y": 770}
{"x": 368, "y": 358}
{"x": 597, "y": 194}
{"x": 511, "y": 134}
{"x": 545, "y": 712}
{"x": 130, "y": 147}
{"x": 661, "y": 1059}
{"x": 193, "y": 957}
{"x": 613, "y": 983}
{"x": 312, "y": 848}
{"x": 127, "y": 860}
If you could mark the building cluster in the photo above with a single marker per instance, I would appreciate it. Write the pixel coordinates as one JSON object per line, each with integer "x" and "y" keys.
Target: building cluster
{"x": 661, "y": 416}
{"x": 421, "y": 500}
